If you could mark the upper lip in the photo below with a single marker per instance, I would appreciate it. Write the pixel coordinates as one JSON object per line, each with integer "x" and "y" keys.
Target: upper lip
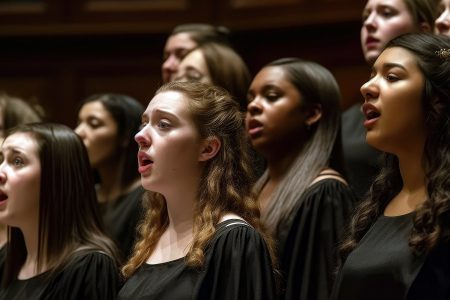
{"x": 370, "y": 111}
{"x": 144, "y": 159}
{"x": 253, "y": 123}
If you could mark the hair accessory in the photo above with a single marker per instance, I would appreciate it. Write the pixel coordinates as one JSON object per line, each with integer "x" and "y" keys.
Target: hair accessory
{"x": 443, "y": 53}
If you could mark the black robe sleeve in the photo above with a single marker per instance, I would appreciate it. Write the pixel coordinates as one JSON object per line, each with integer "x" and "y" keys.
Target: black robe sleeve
{"x": 239, "y": 267}
{"x": 309, "y": 252}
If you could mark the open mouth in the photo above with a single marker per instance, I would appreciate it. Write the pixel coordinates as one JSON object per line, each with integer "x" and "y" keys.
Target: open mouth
{"x": 371, "y": 113}
{"x": 145, "y": 163}
{"x": 3, "y": 197}
{"x": 254, "y": 127}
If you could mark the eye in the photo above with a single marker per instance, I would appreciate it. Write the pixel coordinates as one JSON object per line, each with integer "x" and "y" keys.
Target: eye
{"x": 163, "y": 124}
{"x": 387, "y": 12}
{"x": 272, "y": 97}
{"x": 392, "y": 78}
{"x": 17, "y": 161}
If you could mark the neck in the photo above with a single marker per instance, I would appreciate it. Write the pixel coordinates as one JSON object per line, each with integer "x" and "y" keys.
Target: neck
{"x": 31, "y": 238}
{"x": 279, "y": 163}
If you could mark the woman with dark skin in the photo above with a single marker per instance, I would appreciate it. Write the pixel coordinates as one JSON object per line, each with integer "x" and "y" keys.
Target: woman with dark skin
{"x": 293, "y": 120}
{"x": 57, "y": 248}
{"x": 398, "y": 242}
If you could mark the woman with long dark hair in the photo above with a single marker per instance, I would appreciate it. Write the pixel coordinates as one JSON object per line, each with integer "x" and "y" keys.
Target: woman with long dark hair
{"x": 398, "y": 242}
{"x": 57, "y": 248}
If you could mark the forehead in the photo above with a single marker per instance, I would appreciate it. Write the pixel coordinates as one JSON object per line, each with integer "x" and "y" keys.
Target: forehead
{"x": 173, "y": 102}
{"x": 399, "y": 4}
{"x": 181, "y": 40}
{"x": 96, "y": 108}
{"x": 22, "y": 142}
{"x": 272, "y": 75}
{"x": 397, "y": 55}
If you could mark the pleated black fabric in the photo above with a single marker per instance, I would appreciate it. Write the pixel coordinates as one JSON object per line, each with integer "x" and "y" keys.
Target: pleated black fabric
{"x": 92, "y": 275}
{"x": 237, "y": 266}
{"x": 308, "y": 242}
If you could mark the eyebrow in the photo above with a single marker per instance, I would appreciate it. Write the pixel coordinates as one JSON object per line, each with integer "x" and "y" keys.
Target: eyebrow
{"x": 390, "y": 66}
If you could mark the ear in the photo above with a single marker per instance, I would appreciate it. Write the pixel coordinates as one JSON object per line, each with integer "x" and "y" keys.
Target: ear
{"x": 209, "y": 148}
{"x": 314, "y": 115}
{"x": 425, "y": 27}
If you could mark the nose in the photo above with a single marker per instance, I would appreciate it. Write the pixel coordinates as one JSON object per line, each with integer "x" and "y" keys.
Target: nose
{"x": 369, "y": 90}
{"x": 142, "y": 139}
{"x": 370, "y": 22}
{"x": 443, "y": 22}
{"x": 80, "y": 130}
{"x": 255, "y": 107}
{"x": 171, "y": 63}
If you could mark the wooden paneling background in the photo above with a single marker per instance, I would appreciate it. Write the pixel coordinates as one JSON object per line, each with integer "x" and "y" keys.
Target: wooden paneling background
{"x": 57, "y": 52}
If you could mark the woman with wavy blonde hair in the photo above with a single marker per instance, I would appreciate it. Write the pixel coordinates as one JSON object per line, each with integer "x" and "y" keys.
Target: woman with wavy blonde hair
{"x": 201, "y": 237}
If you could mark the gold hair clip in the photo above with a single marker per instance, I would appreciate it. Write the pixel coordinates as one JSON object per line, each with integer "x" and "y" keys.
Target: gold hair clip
{"x": 443, "y": 53}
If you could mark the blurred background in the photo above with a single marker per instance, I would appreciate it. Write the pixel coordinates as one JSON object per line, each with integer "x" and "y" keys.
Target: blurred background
{"x": 57, "y": 52}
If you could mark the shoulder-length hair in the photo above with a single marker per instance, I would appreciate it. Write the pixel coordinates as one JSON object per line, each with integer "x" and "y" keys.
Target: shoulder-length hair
{"x": 431, "y": 219}
{"x": 227, "y": 70}
{"x": 69, "y": 219}
{"x": 126, "y": 112}
{"x": 317, "y": 87}
{"x": 226, "y": 182}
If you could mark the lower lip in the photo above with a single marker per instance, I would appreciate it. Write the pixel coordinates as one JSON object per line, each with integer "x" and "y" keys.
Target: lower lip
{"x": 371, "y": 45}
{"x": 145, "y": 169}
{"x": 3, "y": 202}
{"x": 369, "y": 123}
{"x": 255, "y": 131}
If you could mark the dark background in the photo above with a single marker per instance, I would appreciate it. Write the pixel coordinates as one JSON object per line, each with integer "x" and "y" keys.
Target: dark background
{"x": 57, "y": 52}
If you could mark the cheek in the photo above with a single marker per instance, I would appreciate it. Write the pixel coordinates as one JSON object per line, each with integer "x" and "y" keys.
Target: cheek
{"x": 395, "y": 28}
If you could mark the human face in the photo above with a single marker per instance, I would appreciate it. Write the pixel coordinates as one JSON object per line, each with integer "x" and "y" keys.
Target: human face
{"x": 169, "y": 143}
{"x": 177, "y": 46}
{"x": 98, "y": 130}
{"x": 193, "y": 68}
{"x": 383, "y": 20}
{"x": 442, "y": 24}
{"x": 20, "y": 180}
{"x": 275, "y": 114}
{"x": 393, "y": 103}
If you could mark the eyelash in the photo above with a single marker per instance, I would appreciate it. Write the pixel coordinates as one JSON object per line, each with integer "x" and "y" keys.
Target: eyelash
{"x": 162, "y": 124}
{"x": 391, "y": 78}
